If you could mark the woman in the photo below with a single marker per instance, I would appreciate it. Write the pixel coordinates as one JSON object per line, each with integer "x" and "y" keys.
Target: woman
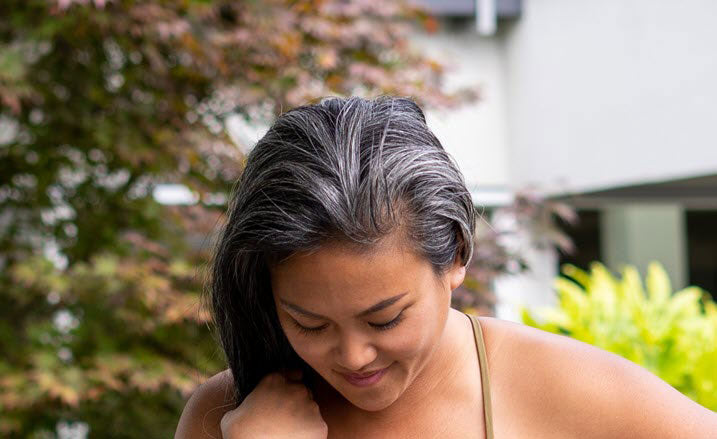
{"x": 331, "y": 291}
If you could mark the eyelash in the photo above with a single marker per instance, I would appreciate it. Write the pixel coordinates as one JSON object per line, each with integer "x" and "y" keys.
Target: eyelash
{"x": 389, "y": 325}
{"x": 380, "y": 327}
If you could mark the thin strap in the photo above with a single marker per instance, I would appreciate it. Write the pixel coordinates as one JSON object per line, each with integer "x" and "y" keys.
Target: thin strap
{"x": 485, "y": 383}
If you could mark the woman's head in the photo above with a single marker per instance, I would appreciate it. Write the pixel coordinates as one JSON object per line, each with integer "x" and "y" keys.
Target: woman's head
{"x": 332, "y": 193}
{"x": 367, "y": 322}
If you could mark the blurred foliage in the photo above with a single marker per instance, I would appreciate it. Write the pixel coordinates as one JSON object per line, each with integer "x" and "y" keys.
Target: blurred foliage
{"x": 674, "y": 335}
{"x": 535, "y": 221}
{"x": 101, "y": 101}
{"x": 100, "y": 318}
{"x": 116, "y": 342}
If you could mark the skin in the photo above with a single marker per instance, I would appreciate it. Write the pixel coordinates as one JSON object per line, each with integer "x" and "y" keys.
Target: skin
{"x": 338, "y": 284}
{"x": 542, "y": 384}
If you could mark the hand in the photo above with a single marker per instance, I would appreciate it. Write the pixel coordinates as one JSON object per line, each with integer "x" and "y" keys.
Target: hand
{"x": 276, "y": 408}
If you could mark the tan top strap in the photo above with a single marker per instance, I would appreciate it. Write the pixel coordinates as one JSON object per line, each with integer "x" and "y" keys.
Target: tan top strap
{"x": 485, "y": 383}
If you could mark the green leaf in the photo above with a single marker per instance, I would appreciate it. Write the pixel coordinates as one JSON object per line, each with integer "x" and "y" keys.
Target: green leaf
{"x": 658, "y": 284}
{"x": 668, "y": 334}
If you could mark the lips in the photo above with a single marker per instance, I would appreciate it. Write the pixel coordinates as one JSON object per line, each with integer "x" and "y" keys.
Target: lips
{"x": 364, "y": 375}
{"x": 365, "y": 379}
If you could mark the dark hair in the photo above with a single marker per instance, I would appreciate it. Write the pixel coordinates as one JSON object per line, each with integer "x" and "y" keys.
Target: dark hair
{"x": 351, "y": 170}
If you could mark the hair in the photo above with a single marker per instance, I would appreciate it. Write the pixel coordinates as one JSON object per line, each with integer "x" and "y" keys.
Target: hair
{"x": 347, "y": 170}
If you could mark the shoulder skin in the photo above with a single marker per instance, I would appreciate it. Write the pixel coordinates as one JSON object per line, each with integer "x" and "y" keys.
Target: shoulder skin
{"x": 550, "y": 385}
{"x": 203, "y": 412}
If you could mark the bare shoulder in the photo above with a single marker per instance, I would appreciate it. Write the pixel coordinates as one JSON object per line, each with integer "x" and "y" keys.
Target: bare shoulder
{"x": 205, "y": 408}
{"x": 549, "y": 385}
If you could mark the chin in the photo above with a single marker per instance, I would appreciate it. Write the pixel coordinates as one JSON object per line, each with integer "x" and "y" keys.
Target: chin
{"x": 372, "y": 402}
{"x": 370, "y": 399}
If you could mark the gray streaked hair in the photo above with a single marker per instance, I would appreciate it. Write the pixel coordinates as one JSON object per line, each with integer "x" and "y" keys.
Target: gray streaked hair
{"x": 347, "y": 170}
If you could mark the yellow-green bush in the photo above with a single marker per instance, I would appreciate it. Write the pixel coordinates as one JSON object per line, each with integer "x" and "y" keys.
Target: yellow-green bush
{"x": 672, "y": 335}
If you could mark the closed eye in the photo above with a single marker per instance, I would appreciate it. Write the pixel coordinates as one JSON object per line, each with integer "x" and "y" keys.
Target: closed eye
{"x": 388, "y": 325}
{"x": 378, "y": 326}
{"x": 309, "y": 330}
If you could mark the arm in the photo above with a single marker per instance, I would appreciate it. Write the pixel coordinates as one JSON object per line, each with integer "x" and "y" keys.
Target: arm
{"x": 646, "y": 406}
{"x": 277, "y": 407}
{"x": 203, "y": 412}
{"x": 562, "y": 387}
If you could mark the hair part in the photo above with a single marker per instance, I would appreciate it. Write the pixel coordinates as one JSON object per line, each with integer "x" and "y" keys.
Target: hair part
{"x": 346, "y": 170}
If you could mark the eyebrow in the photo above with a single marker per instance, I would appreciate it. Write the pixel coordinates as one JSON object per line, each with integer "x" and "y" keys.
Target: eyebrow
{"x": 373, "y": 309}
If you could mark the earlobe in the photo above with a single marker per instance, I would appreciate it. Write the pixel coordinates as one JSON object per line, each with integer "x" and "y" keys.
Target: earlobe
{"x": 457, "y": 275}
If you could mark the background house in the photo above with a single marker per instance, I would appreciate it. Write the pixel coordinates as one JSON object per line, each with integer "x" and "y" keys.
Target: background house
{"x": 609, "y": 105}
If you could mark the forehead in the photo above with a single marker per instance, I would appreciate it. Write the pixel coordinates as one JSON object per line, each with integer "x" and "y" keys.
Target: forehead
{"x": 341, "y": 275}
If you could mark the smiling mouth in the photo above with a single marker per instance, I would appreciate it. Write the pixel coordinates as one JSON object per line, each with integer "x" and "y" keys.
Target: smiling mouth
{"x": 363, "y": 375}
{"x": 365, "y": 379}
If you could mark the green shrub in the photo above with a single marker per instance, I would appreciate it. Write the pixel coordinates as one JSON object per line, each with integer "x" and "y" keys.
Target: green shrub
{"x": 672, "y": 335}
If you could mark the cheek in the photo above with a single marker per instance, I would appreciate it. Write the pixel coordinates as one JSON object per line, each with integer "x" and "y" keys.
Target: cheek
{"x": 411, "y": 342}
{"x": 313, "y": 352}
{"x": 417, "y": 339}
{"x": 408, "y": 343}
{"x": 307, "y": 347}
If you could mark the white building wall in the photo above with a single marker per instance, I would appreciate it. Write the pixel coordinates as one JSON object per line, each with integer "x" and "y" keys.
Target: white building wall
{"x": 611, "y": 92}
{"x": 475, "y": 135}
{"x": 580, "y": 96}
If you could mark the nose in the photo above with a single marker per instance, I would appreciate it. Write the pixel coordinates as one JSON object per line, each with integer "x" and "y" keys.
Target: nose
{"x": 354, "y": 352}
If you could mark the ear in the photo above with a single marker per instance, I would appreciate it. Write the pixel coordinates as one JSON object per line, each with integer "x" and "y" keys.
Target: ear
{"x": 456, "y": 274}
